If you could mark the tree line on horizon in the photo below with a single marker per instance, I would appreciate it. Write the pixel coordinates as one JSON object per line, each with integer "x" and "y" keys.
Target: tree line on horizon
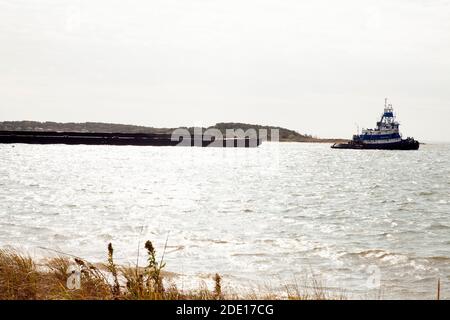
{"x": 285, "y": 135}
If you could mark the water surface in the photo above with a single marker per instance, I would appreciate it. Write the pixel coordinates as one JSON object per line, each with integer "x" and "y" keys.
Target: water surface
{"x": 261, "y": 217}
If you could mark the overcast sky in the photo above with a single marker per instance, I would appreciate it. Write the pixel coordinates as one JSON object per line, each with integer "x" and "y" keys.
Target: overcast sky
{"x": 318, "y": 67}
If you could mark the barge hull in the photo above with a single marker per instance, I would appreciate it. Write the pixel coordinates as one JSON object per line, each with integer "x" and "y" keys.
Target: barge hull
{"x": 119, "y": 139}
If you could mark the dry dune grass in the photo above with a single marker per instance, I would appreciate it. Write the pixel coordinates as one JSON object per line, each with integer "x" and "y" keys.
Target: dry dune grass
{"x": 21, "y": 278}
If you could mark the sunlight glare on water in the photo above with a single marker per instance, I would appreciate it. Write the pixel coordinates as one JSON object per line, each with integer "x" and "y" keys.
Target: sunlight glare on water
{"x": 256, "y": 216}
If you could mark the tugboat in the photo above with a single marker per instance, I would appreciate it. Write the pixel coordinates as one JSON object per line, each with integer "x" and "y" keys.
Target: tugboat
{"x": 385, "y": 136}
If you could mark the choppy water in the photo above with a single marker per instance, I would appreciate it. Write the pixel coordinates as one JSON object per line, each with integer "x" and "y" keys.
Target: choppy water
{"x": 261, "y": 217}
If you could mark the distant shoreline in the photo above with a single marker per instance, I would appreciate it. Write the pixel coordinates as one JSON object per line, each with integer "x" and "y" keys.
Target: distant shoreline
{"x": 285, "y": 135}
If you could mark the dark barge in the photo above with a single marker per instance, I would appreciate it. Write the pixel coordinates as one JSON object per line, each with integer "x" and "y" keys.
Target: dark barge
{"x": 123, "y": 139}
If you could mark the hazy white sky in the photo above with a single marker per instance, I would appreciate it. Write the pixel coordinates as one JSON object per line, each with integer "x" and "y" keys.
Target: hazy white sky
{"x": 318, "y": 67}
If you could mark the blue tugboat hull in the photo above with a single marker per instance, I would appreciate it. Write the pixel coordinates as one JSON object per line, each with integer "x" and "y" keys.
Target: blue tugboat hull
{"x": 401, "y": 145}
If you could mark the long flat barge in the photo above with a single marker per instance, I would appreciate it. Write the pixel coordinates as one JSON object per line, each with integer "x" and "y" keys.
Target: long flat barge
{"x": 122, "y": 139}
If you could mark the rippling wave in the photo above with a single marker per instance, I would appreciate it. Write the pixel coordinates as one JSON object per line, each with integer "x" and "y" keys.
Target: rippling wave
{"x": 255, "y": 216}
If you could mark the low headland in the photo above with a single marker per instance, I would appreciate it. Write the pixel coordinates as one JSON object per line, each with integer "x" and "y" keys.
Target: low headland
{"x": 285, "y": 135}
